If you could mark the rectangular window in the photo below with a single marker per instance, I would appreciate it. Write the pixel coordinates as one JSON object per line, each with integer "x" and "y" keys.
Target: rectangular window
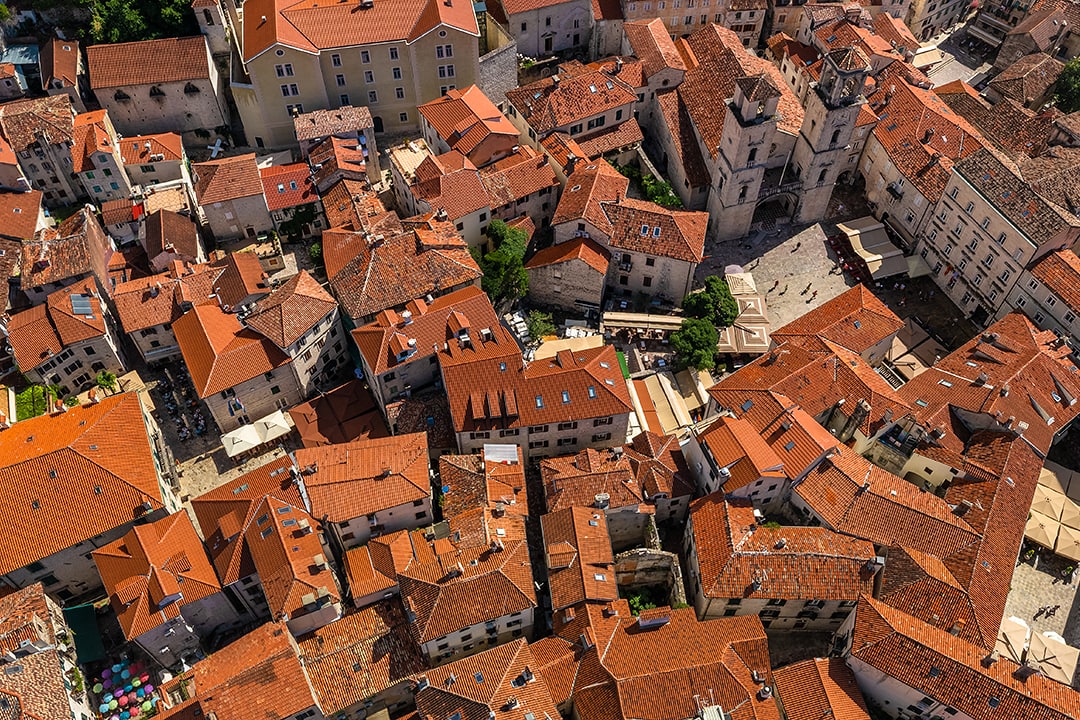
{"x": 397, "y": 73}
{"x": 403, "y": 117}
{"x": 284, "y": 70}
{"x": 365, "y": 56}
{"x": 372, "y": 96}
{"x": 399, "y": 93}
{"x": 344, "y": 99}
{"x": 340, "y": 80}
{"x": 335, "y": 60}
{"x": 369, "y": 76}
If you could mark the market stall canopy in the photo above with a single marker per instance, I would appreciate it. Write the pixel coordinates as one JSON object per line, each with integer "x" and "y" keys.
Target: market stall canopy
{"x": 870, "y": 242}
{"x": 1012, "y": 638}
{"x": 264, "y": 430}
{"x": 1041, "y": 529}
{"x": 1068, "y": 542}
{"x": 1048, "y": 502}
{"x": 1054, "y": 658}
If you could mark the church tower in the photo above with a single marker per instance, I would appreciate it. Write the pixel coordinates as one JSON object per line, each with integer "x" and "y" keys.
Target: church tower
{"x": 212, "y": 25}
{"x": 750, "y": 122}
{"x": 832, "y": 107}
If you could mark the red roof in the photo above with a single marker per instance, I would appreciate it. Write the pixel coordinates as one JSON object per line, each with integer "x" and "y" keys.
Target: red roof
{"x": 587, "y": 187}
{"x": 520, "y": 175}
{"x": 587, "y": 251}
{"x": 148, "y": 62}
{"x": 487, "y": 499}
{"x": 581, "y": 566}
{"x": 346, "y": 413}
{"x": 286, "y": 186}
{"x": 363, "y": 477}
{"x": 37, "y": 334}
{"x": 650, "y": 41}
{"x": 220, "y": 353}
{"x": 562, "y": 100}
{"x": 466, "y": 118}
{"x": 134, "y": 150}
{"x": 291, "y": 310}
{"x": 227, "y": 179}
{"x": 645, "y": 227}
{"x": 855, "y": 319}
{"x": 19, "y": 212}
{"x": 153, "y": 571}
{"x": 820, "y": 689}
{"x": 1060, "y": 273}
{"x": 96, "y": 456}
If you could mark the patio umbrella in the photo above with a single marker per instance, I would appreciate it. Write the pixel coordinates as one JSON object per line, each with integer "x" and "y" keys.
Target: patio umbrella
{"x": 1070, "y": 515}
{"x": 1055, "y": 477}
{"x": 1056, "y": 659}
{"x": 1068, "y": 542}
{"x": 1012, "y": 638}
{"x": 98, "y": 687}
{"x": 1041, "y": 529}
{"x": 147, "y": 705}
{"x": 1048, "y": 502}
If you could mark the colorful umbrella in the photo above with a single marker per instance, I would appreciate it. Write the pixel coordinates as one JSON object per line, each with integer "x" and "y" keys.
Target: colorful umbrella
{"x": 134, "y": 710}
{"x": 107, "y": 672}
{"x": 149, "y": 689}
{"x": 125, "y": 715}
{"x": 147, "y": 705}
{"x": 136, "y": 682}
{"x": 118, "y": 692}
{"x": 145, "y": 677}
{"x": 113, "y": 704}
{"x": 103, "y": 708}
{"x": 117, "y": 667}
{"x": 98, "y": 687}
{"x": 140, "y": 693}
{"x": 127, "y": 673}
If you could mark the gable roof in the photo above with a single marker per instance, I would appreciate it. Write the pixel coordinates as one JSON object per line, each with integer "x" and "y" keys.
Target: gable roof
{"x": 1060, "y": 273}
{"x": 635, "y": 225}
{"x": 464, "y": 586}
{"x": 820, "y": 689}
{"x": 365, "y": 652}
{"x": 587, "y": 251}
{"x": 134, "y": 150}
{"x": 50, "y": 118}
{"x": 905, "y": 648}
{"x": 650, "y": 41}
{"x": 227, "y": 179}
{"x": 220, "y": 353}
{"x": 581, "y": 566}
{"x": 1011, "y": 127}
{"x": 153, "y": 570}
{"x": 287, "y": 186}
{"x": 148, "y": 62}
{"x": 75, "y": 248}
{"x": 169, "y": 232}
{"x": 587, "y": 187}
{"x": 466, "y": 118}
{"x": 487, "y": 500}
{"x": 855, "y": 319}
{"x": 740, "y": 558}
{"x": 103, "y": 445}
{"x": 427, "y": 258}
{"x": 90, "y": 135}
{"x": 517, "y": 176}
{"x": 344, "y": 120}
{"x": 1028, "y": 78}
{"x": 363, "y": 477}
{"x": 59, "y": 62}
{"x": 159, "y": 299}
{"x": 37, "y": 334}
{"x": 19, "y": 213}
{"x": 563, "y": 100}
{"x": 242, "y": 277}
{"x": 346, "y": 413}
{"x": 290, "y": 310}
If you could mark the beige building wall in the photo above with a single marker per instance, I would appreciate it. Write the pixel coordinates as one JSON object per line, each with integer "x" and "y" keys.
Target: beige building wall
{"x": 547, "y": 30}
{"x": 390, "y": 79}
{"x": 318, "y": 351}
{"x": 77, "y": 366}
{"x": 260, "y": 396}
{"x": 539, "y": 441}
{"x": 481, "y": 636}
{"x": 682, "y": 17}
{"x": 155, "y": 344}
{"x": 1047, "y": 308}
{"x": 237, "y": 218}
{"x": 48, "y": 168}
{"x": 357, "y": 531}
{"x": 892, "y": 192}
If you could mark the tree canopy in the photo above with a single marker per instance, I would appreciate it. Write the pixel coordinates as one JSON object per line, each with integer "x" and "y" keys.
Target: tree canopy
{"x": 113, "y": 21}
{"x": 504, "y": 272}
{"x": 695, "y": 343}
{"x": 713, "y": 303}
{"x": 1067, "y": 94}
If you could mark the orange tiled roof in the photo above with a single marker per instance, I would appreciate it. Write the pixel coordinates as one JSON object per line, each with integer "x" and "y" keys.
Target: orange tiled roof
{"x": 586, "y": 187}
{"x": 909, "y": 650}
{"x": 487, "y": 499}
{"x": 102, "y": 446}
{"x": 650, "y": 41}
{"x": 366, "y": 576}
{"x": 351, "y": 205}
{"x": 1060, "y": 273}
{"x": 818, "y": 689}
{"x": 635, "y": 223}
{"x": 487, "y": 683}
{"x": 1011, "y": 127}
{"x": 220, "y": 353}
{"x": 466, "y": 118}
{"x": 75, "y": 248}
{"x": 37, "y": 334}
{"x": 50, "y": 119}
{"x": 308, "y": 26}
{"x": 581, "y": 566}
{"x": 612, "y": 138}
{"x": 735, "y": 444}
{"x": 134, "y": 150}
{"x": 19, "y": 212}
{"x": 169, "y": 232}
{"x": 465, "y": 586}
{"x": 681, "y": 128}
{"x": 560, "y": 147}
{"x": 1028, "y": 78}
{"x": 286, "y": 186}
{"x": 520, "y": 175}
{"x": 26, "y": 614}
{"x": 739, "y": 558}
{"x": 224, "y": 512}
{"x": 153, "y": 571}
{"x": 289, "y": 311}
{"x": 90, "y": 135}
{"x": 364, "y": 477}
{"x": 553, "y": 103}
{"x": 450, "y": 182}
{"x": 426, "y": 258}
{"x": 227, "y": 179}
{"x": 855, "y": 319}
{"x": 160, "y": 299}
{"x": 59, "y": 61}
{"x": 148, "y": 62}
{"x": 38, "y": 690}
{"x": 501, "y": 392}
{"x": 241, "y": 277}
{"x": 366, "y": 652}
{"x": 385, "y": 342}
{"x": 588, "y": 251}
{"x": 346, "y": 413}
{"x": 576, "y": 480}
{"x": 340, "y": 160}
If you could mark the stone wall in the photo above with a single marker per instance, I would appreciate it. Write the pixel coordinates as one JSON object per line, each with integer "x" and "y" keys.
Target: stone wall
{"x": 643, "y": 567}
{"x": 498, "y": 72}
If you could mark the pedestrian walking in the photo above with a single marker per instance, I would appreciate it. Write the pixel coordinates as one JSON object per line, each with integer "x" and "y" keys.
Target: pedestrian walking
{"x": 814, "y": 295}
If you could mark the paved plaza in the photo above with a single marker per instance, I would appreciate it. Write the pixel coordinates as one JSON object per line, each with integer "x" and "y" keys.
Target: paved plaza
{"x": 1039, "y": 584}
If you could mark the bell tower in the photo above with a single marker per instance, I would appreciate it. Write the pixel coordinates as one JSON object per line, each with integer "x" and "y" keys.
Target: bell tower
{"x": 832, "y": 108}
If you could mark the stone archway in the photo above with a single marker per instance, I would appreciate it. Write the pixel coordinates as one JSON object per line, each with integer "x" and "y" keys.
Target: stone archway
{"x": 775, "y": 210}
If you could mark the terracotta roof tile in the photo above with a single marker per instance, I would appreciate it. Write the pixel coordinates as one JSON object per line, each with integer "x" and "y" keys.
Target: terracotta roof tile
{"x": 289, "y": 311}
{"x": 586, "y": 187}
{"x": 650, "y": 41}
{"x": 59, "y": 62}
{"x": 160, "y": 299}
{"x": 343, "y": 160}
{"x": 135, "y": 152}
{"x": 36, "y": 687}
{"x": 350, "y": 204}
{"x": 37, "y": 334}
{"x": 855, "y": 319}
{"x": 241, "y": 277}
{"x": 739, "y": 558}
{"x": 344, "y": 120}
{"x": 1028, "y": 78}
{"x": 635, "y": 224}
{"x": 820, "y": 689}
{"x": 681, "y": 128}
{"x": 576, "y": 480}
{"x": 588, "y": 251}
{"x": 364, "y": 477}
{"x": 450, "y": 182}
{"x": 466, "y": 586}
{"x": 546, "y": 104}
{"x": 227, "y": 179}
{"x": 152, "y": 567}
{"x": 346, "y": 413}
{"x": 90, "y": 135}
{"x": 1054, "y": 175}
{"x": 169, "y": 232}
{"x": 1060, "y": 273}
{"x": 94, "y": 446}
{"x": 384, "y": 342}
{"x": 612, "y": 138}
{"x": 520, "y": 175}
{"x": 737, "y": 446}
{"x": 487, "y": 499}
{"x": 562, "y": 149}
{"x": 591, "y": 378}
{"x": 581, "y": 566}
{"x": 366, "y": 652}
{"x": 466, "y": 118}
{"x": 25, "y": 121}
{"x": 485, "y": 683}
{"x": 74, "y": 249}
{"x": 1009, "y": 126}
{"x": 287, "y": 186}
{"x": 148, "y": 62}
{"x": 220, "y": 353}
{"x": 365, "y": 576}
{"x": 907, "y": 649}
{"x": 19, "y": 213}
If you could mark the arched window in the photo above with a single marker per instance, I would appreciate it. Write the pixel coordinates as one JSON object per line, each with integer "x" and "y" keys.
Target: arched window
{"x": 207, "y": 17}
{"x": 835, "y": 137}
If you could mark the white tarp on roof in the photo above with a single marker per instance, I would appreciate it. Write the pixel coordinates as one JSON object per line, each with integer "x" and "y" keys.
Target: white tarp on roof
{"x": 870, "y": 241}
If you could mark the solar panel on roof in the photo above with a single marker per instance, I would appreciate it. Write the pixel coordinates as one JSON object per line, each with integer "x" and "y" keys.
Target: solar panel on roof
{"x": 80, "y": 305}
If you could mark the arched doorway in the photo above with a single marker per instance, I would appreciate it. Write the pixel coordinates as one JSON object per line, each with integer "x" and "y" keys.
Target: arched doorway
{"x": 776, "y": 210}
{"x": 377, "y": 122}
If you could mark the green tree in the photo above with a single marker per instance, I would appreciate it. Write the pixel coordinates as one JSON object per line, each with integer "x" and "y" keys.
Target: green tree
{"x": 117, "y": 21}
{"x": 695, "y": 343}
{"x": 1067, "y": 94}
{"x": 714, "y": 302}
{"x": 5, "y": 13}
{"x": 539, "y": 324}
{"x": 504, "y": 278}
{"x": 106, "y": 380}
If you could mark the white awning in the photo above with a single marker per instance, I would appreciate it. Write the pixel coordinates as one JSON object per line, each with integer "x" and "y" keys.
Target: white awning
{"x": 870, "y": 241}
{"x": 267, "y": 429}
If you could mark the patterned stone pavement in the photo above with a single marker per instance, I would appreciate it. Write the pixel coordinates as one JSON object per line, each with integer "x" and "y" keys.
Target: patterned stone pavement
{"x": 1041, "y": 584}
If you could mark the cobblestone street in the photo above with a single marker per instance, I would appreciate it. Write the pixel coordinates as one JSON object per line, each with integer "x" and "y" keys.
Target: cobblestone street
{"x": 1039, "y": 585}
